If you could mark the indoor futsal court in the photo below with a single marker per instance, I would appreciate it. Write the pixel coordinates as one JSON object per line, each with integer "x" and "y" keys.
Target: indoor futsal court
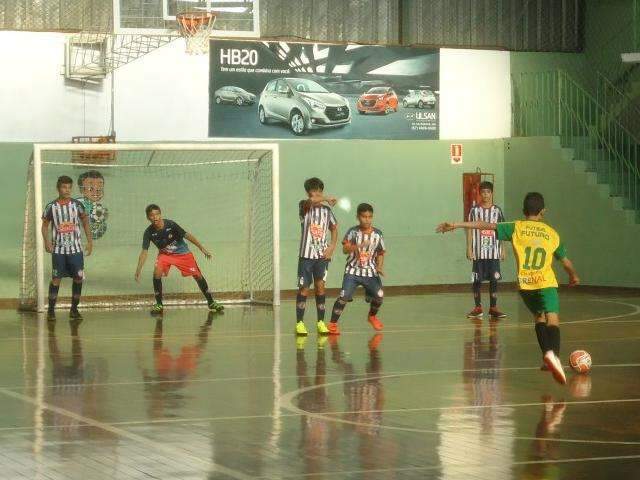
{"x": 346, "y": 239}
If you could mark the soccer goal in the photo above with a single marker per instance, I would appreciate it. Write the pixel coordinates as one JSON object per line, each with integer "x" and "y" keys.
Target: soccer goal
{"x": 225, "y": 194}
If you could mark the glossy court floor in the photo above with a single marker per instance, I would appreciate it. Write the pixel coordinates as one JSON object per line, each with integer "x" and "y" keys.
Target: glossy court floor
{"x": 436, "y": 396}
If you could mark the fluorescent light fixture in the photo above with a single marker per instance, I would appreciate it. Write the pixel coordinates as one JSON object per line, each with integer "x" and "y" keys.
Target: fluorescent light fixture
{"x": 227, "y": 9}
{"x": 630, "y": 57}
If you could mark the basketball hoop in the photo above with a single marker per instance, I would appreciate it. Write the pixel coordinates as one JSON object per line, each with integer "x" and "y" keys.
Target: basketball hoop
{"x": 196, "y": 28}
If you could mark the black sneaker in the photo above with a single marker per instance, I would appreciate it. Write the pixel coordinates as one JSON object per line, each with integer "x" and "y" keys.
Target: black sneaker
{"x": 216, "y": 307}
{"x": 157, "y": 309}
{"x": 75, "y": 314}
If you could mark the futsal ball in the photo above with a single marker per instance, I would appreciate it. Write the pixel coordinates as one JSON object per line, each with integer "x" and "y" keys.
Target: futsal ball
{"x": 580, "y": 361}
{"x": 344, "y": 204}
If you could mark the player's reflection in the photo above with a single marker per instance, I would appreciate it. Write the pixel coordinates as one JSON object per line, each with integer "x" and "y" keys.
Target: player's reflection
{"x": 481, "y": 375}
{"x": 548, "y": 426}
{"x": 481, "y": 431}
{"x": 171, "y": 373}
{"x": 319, "y": 436}
{"x": 364, "y": 398}
{"x": 73, "y": 389}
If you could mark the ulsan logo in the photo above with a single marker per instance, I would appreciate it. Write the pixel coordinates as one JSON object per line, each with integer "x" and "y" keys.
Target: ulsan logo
{"x": 425, "y": 115}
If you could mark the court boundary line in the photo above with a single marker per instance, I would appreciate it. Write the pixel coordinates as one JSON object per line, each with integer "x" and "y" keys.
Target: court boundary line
{"x": 454, "y": 327}
{"x": 349, "y": 412}
{"x": 286, "y": 402}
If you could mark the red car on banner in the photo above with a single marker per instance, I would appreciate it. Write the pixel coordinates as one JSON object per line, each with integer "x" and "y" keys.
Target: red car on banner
{"x": 378, "y": 100}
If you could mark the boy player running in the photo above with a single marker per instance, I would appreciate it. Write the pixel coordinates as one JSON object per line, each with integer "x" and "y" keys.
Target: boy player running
{"x": 535, "y": 244}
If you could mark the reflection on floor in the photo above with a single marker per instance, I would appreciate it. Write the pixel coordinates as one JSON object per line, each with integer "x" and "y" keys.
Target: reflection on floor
{"x": 204, "y": 396}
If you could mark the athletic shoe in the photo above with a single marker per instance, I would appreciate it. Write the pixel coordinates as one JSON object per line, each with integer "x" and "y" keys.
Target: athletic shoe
{"x": 301, "y": 330}
{"x": 475, "y": 313}
{"x": 375, "y": 323}
{"x": 300, "y": 341}
{"x": 157, "y": 309}
{"x": 495, "y": 313}
{"x": 555, "y": 367}
{"x": 75, "y": 314}
{"x": 375, "y": 342}
{"x": 322, "y": 328}
{"x": 333, "y": 328}
{"x": 216, "y": 307}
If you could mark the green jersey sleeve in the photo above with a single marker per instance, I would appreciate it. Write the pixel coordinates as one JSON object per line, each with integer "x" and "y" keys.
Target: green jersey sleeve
{"x": 561, "y": 252}
{"x": 505, "y": 230}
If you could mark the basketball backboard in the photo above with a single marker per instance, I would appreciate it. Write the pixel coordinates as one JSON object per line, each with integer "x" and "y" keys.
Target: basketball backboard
{"x": 234, "y": 18}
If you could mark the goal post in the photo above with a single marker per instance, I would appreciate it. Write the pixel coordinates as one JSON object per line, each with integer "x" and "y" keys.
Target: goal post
{"x": 225, "y": 194}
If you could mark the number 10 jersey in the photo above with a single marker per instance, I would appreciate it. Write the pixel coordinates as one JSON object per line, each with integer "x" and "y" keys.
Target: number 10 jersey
{"x": 535, "y": 245}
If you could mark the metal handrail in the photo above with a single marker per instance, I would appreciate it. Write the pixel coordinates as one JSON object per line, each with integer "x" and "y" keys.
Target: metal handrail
{"x": 621, "y": 99}
{"x": 553, "y": 103}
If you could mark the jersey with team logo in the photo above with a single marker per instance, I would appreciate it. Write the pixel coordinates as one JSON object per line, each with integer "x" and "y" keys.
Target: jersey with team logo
{"x": 315, "y": 222}
{"x": 65, "y": 217}
{"x": 370, "y": 244}
{"x": 535, "y": 245}
{"x": 484, "y": 242}
{"x": 169, "y": 239}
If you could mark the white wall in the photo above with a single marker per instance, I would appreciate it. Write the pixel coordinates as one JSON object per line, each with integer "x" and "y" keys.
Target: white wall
{"x": 475, "y": 94}
{"x": 164, "y": 95}
{"x": 36, "y": 104}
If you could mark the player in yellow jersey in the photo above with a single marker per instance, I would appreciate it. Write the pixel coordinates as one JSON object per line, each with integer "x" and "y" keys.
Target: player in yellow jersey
{"x": 535, "y": 245}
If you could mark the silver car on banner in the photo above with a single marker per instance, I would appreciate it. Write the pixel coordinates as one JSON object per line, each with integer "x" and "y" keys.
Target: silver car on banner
{"x": 231, "y": 94}
{"x": 302, "y": 104}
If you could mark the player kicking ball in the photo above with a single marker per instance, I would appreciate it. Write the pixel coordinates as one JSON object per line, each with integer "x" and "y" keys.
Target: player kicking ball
{"x": 170, "y": 238}
{"x": 535, "y": 244}
{"x": 365, "y": 248}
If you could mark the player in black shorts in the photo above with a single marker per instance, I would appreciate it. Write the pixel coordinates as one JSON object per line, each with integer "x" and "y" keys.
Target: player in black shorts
{"x": 316, "y": 221}
{"x": 485, "y": 251}
{"x": 64, "y": 215}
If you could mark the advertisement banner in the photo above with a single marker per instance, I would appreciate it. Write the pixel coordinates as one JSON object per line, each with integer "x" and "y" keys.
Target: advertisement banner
{"x": 290, "y": 90}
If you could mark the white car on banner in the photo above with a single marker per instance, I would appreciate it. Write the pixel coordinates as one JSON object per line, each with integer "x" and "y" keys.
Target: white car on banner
{"x": 420, "y": 99}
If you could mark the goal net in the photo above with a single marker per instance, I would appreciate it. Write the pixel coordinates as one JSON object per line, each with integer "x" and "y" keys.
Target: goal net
{"x": 226, "y": 195}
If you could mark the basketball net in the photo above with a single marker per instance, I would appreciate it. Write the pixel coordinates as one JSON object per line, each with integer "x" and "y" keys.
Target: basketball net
{"x": 196, "y": 29}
